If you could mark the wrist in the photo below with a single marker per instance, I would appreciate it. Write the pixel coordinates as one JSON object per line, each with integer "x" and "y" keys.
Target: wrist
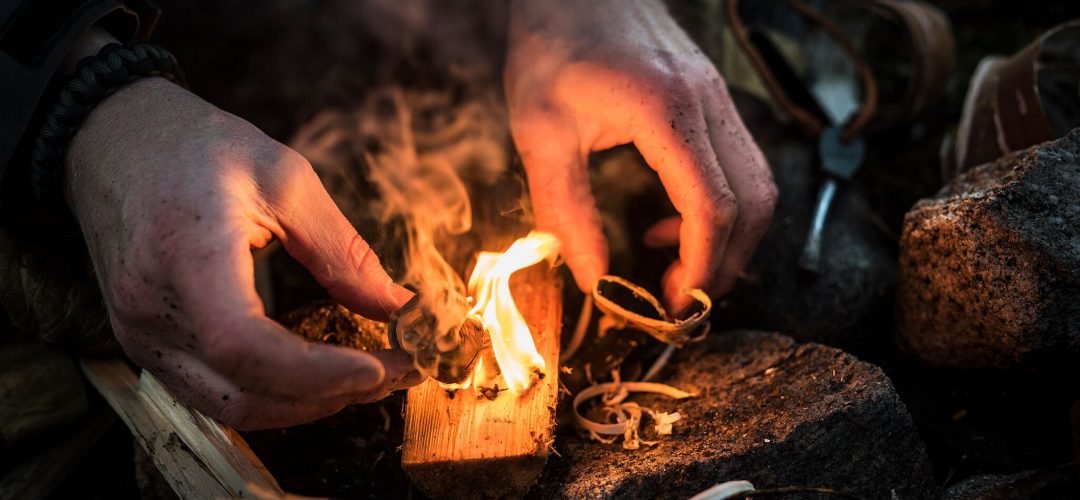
{"x": 89, "y": 44}
{"x": 104, "y": 129}
{"x": 94, "y": 81}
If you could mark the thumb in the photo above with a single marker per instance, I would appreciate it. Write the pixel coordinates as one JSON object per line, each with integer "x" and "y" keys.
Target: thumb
{"x": 556, "y": 167}
{"x": 317, "y": 235}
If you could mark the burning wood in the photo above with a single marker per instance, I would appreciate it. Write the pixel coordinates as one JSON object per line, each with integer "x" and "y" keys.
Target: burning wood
{"x": 500, "y": 444}
{"x": 493, "y": 329}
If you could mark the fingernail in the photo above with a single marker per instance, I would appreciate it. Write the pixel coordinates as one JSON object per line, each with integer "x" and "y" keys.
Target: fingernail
{"x": 411, "y": 379}
{"x": 400, "y": 294}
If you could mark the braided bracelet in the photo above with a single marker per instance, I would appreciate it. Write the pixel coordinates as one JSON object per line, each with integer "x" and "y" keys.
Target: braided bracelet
{"x": 95, "y": 78}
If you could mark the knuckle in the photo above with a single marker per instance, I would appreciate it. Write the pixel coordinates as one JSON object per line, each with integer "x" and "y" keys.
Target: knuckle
{"x": 758, "y": 208}
{"x": 290, "y": 174}
{"x": 673, "y": 85}
{"x": 678, "y": 86}
{"x": 723, "y": 209}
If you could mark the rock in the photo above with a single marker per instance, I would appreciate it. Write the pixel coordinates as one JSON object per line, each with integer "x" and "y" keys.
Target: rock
{"x": 990, "y": 267}
{"x": 847, "y": 304}
{"x": 987, "y": 421}
{"x": 1059, "y": 482}
{"x": 770, "y": 411}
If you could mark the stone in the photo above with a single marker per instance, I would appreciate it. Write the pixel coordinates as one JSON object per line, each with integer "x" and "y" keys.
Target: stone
{"x": 990, "y": 267}
{"x": 847, "y": 303}
{"x": 1058, "y": 482}
{"x": 769, "y": 410}
{"x": 987, "y": 421}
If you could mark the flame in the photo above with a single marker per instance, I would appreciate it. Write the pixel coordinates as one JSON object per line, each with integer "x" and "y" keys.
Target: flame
{"x": 489, "y": 286}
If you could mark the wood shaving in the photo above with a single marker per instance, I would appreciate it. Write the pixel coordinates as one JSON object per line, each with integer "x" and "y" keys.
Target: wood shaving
{"x": 657, "y": 323}
{"x": 623, "y": 418}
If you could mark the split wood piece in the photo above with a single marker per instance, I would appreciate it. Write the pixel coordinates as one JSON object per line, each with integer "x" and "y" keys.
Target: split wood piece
{"x": 471, "y": 447}
{"x": 199, "y": 457}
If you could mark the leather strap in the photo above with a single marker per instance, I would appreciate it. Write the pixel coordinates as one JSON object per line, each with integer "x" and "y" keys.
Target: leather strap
{"x": 809, "y": 120}
{"x": 932, "y": 56}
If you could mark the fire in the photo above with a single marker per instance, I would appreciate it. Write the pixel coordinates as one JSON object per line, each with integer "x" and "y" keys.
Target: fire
{"x": 489, "y": 289}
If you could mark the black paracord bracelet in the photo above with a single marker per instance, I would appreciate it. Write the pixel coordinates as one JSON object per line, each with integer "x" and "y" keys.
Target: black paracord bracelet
{"x": 95, "y": 78}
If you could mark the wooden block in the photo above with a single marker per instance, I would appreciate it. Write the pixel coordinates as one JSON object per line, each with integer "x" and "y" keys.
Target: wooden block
{"x": 198, "y": 456}
{"x": 472, "y": 447}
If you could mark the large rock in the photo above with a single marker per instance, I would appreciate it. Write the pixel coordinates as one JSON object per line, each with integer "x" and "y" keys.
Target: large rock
{"x": 990, "y": 268}
{"x": 771, "y": 411}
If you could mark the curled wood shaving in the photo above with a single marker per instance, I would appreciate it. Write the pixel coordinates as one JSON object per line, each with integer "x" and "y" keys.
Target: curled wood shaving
{"x": 658, "y": 324}
{"x": 626, "y": 416}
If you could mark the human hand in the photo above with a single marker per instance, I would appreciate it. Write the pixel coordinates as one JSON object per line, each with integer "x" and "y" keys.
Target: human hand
{"x": 172, "y": 194}
{"x": 586, "y": 76}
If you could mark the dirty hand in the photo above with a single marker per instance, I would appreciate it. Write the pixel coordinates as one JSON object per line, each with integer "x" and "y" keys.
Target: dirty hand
{"x": 172, "y": 194}
{"x": 587, "y": 76}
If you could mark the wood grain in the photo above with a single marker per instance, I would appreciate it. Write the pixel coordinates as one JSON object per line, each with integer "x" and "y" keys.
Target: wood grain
{"x": 471, "y": 447}
{"x": 199, "y": 457}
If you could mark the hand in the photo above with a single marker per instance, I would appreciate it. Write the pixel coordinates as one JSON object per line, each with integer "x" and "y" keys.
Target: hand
{"x": 587, "y": 76}
{"x": 172, "y": 194}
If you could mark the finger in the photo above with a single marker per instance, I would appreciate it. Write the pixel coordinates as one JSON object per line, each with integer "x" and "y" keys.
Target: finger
{"x": 400, "y": 374}
{"x": 317, "y": 234}
{"x": 556, "y": 167}
{"x": 197, "y": 385}
{"x": 664, "y": 233}
{"x": 750, "y": 179}
{"x": 214, "y": 281}
{"x": 675, "y": 142}
{"x": 671, "y": 283}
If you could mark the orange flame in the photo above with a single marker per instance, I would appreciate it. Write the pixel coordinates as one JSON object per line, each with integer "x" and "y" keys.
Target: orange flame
{"x": 489, "y": 286}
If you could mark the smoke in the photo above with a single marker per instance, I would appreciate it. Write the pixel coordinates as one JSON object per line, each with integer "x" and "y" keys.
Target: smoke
{"x": 434, "y": 204}
{"x": 431, "y": 122}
